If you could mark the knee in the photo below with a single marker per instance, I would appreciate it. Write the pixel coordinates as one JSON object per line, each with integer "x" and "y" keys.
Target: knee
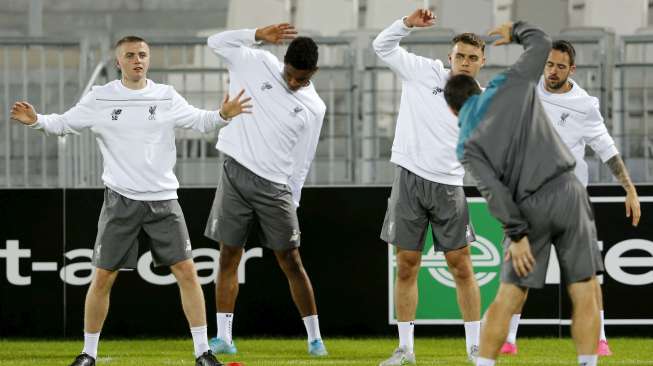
{"x": 461, "y": 268}
{"x": 407, "y": 269}
{"x": 103, "y": 279}
{"x": 184, "y": 271}
{"x": 229, "y": 258}
{"x": 290, "y": 263}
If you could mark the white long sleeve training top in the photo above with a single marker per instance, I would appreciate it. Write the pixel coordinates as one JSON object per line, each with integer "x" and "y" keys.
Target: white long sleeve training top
{"x": 135, "y": 132}
{"x": 577, "y": 119}
{"x": 427, "y": 132}
{"x": 278, "y": 140}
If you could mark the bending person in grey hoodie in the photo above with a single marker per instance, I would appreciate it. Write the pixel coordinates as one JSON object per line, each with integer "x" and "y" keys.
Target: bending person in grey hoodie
{"x": 525, "y": 172}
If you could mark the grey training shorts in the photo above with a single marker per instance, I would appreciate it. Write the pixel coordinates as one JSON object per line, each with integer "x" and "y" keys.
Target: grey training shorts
{"x": 243, "y": 196}
{"x": 559, "y": 214}
{"x": 120, "y": 222}
{"x": 415, "y": 202}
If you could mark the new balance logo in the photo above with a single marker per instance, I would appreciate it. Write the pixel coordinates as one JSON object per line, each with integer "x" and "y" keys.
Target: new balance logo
{"x": 437, "y": 90}
{"x": 296, "y": 111}
{"x": 294, "y": 236}
{"x": 266, "y": 86}
{"x": 152, "y": 116}
{"x": 115, "y": 114}
{"x": 563, "y": 119}
{"x": 188, "y": 246}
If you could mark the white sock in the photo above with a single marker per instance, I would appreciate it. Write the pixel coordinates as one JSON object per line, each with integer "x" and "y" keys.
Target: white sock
{"x": 472, "y": 334}
{"x": 200, "y": 340}
{"x": 603, "y": 338}
{"x": 225, "y": 323}
{"x": 312, "y": 327}
{"x": 406, "y": 335}
{"x": 512, "y": 333}
{"x": 90, "y": 343}
{"x": 484, "y": 362}
{"x": 587, "y": 360}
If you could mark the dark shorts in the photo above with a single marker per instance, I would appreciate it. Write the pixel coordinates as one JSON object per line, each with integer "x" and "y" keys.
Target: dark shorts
{"x": 243, "y": 196}
{"x": 559, "y": 214}
{"x": 120, "y": 222}
{"x": 415, "y": 203}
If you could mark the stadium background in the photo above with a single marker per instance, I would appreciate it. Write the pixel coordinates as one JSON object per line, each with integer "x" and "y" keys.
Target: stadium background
{"x": 51, "y": 52}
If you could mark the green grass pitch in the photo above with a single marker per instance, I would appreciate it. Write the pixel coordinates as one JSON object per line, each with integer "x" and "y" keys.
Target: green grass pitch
{"x": 342, "y": 352}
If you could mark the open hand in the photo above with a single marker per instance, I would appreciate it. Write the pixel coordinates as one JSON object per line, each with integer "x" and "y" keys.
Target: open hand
{"x": 632, "y": 206}
{"x": 504, "y": 31}
{"x": 232, "y": 108}
{"x": 420, "y": 18}
{"x": 522, "y": 258}
{"x": 276, "y": 33}
{"x": 24, "y": 113}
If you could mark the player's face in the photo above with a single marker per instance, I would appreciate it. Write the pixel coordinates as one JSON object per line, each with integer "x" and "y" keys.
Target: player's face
{"x": 296, "y": 78}
{"x": 466, "y": 59}
{"x": 133, "y": 60}
{"x": 557, "y": 69}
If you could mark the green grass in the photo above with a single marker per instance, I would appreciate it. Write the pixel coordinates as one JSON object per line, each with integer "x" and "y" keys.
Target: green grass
{"x": 270, "y": 351}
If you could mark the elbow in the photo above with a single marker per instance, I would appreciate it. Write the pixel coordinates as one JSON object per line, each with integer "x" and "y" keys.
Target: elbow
{"x": 214, "y": 41}
{"x": 378, "y": 47}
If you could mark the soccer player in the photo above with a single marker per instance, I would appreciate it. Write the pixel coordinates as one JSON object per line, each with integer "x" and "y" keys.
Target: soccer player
{"x": 267, "y": 159}
{"x": 525, "y": 172}
{"x": 134, "y": 121}
{"x": 577, "y": 119}
{"x": 428, "y": 177}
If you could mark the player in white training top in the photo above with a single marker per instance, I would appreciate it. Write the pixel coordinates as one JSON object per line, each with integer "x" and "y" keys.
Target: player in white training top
{"x": 134, "y": 120}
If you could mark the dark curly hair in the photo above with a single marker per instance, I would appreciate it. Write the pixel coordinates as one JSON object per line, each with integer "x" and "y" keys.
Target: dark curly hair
{"x": 566, "y": 47}
{"x": 302, "y": 54}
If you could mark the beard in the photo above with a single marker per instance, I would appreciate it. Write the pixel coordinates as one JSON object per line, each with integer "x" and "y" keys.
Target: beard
{"x": 556, "y": 84}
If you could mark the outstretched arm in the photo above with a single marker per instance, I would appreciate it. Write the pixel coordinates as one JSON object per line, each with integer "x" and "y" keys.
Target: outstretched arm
{"x": 71, "y": 122}
{"x": 187, "y": 116}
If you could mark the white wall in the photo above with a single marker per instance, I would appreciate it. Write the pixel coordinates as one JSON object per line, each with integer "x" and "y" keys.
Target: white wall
{"x": 550, "y": 15}
{"x": 327, "y": 18}
{"x": 466, "y": 15}
{"x": 380, "y": 13}
{"x": 256, "y": 13}
{"x": 624, "y": 16}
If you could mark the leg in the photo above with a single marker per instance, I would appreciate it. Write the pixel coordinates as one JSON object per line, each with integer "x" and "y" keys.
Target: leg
{"x": 192, "y": 297}
{"x": 510, "y": 346}
{"x": 192, "y": 301}
{"x": 226, "y": 291}
{"x": 96, "y": 306}
{"x": 585, "y": 316}
{"x": 604, "y": 348}
{"x": 468, "y": 296}
{"x": 408, "y": 265}
{"x": 226, "y": 286}
{"x": 303, "y": 296}
{"x": 507, "y": 301}
{"x": 300, "y": 285}
{"x": 467, "y": 290}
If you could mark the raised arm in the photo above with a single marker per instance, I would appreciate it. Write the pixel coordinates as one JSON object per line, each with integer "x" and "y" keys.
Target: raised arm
{"x": 71, "y": 122}
{"x": 234, "y": 46}
{"x": 187, "y": 116}
{"x": 537, "y": 45}
{"x": 304, "y": 154}
{"x": 386, "y": 45}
